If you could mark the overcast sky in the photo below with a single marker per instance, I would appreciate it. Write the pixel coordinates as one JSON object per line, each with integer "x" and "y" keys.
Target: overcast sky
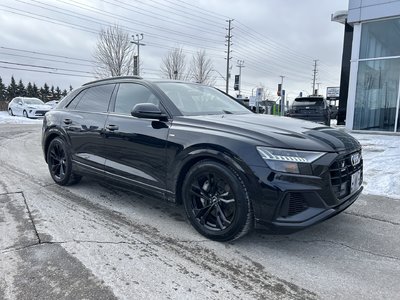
{"x": 272, "y": 37}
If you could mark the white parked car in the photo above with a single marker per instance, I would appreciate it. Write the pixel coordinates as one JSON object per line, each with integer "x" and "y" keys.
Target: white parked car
{"x": 27, "y": 107}
{"x": 52, "y": 103}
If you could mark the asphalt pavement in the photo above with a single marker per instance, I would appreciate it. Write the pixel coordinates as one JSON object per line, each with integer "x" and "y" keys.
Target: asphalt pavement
{"x": 96, "y": 241}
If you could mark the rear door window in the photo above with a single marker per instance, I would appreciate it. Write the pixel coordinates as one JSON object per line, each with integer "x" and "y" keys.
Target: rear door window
{"x": 95, "y": 99}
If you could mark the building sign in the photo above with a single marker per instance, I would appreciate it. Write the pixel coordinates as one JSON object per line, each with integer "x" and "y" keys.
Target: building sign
{"x": 332, "y": 93}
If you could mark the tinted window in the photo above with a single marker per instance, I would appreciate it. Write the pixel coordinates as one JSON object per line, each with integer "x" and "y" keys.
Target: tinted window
{"x": 195, "y": 99}
{"x": 130, "y": 94}
{"x": 75, "y": 100}
{"x": 96, "y": 98}
{"x": 308, "y": 102}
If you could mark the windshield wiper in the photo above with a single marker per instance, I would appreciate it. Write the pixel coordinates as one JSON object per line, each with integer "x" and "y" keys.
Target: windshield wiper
{"x": 227, "y": 112}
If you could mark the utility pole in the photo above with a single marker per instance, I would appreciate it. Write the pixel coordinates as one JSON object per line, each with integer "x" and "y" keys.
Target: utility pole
{"x": 228, "y": 58}
{"x": 136, "y": 41}
{"x": 282, "y": 96}
{"x": 240, "y": 65}
{"x": 318, "y": 84}
{"x": 314, "y": 76}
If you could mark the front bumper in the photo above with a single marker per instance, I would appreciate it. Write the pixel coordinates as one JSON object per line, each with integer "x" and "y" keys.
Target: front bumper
{"x": 36, "y": 113}
{"x": 284, "y": 203}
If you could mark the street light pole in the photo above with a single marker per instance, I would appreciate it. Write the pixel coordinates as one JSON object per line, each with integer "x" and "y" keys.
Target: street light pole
{"x": 282, "y": 96}
{"x": 136, "y": 41}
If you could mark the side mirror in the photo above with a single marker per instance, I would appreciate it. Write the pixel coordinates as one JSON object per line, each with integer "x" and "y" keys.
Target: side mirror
{"x": 148, "y": 111}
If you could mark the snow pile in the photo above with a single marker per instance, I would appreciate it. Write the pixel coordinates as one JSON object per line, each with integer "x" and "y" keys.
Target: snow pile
{"x": 381, "y": 154}
{"x": 5, "y": 118}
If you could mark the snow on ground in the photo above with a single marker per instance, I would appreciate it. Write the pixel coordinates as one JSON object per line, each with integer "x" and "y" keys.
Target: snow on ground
{"x": 5, "y": 118}
{"x": 381, "y": 154}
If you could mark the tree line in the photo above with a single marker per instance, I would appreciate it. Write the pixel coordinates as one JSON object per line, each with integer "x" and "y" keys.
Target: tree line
{"x": 45, "y": 92}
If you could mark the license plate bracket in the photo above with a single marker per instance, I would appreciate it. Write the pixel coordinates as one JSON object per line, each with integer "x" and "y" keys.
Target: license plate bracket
{"x": 355, "y": 181}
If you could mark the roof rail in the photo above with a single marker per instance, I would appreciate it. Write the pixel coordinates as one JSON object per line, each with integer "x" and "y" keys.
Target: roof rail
{"x": 112, "y": 78}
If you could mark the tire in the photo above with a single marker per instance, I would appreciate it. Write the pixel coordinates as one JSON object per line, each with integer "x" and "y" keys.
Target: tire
{"x": 60, "y": 163}
{"x": 216, "y": 201}
{"x": 328, "y": 122}
{"x": 10, "y": 112}
{"x": 25, "y": 114}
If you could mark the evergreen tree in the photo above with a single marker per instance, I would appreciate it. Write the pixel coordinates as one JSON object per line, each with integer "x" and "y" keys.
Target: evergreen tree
{"x": 29, "y": 90}
{"x": 35, "y": 91}
{"x": 45, "y": 93}
{"x": 70, "y": 88}
{"x": 2, "y": 90}
{"x": 42, "y": 93}
{"x": 64, "y": 93}
{"x": 21, "y": 89}
{"x": 58, "y": 93}
{"x": 12, "y": 89}
{"x": 52, "y": 93}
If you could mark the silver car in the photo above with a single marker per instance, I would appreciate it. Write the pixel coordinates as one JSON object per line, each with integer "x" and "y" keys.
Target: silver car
{"x": 27, "y": 107}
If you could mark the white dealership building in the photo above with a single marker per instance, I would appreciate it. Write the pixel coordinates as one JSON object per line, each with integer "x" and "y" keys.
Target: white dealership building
{"x": 373, "y": 100}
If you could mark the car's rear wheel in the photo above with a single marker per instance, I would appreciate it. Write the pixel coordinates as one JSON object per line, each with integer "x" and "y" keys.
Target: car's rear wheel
{"x": 25, "y": 114}
{"x": 60, "y": 163}
{"x": 10, "y": 112}
{"x": 216, "y": 201}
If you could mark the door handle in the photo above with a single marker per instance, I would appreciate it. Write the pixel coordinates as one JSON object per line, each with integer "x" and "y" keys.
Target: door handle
{"x": 67, "y": 121}
{"x": 112, "y": 127}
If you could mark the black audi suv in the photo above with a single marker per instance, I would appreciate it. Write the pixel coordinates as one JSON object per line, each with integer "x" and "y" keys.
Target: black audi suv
{"x": 233, "y": 170}
{"x": 311, "y": 108}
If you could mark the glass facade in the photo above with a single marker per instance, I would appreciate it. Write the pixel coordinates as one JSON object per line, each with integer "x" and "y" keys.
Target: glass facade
{"x": 377, "y": 93}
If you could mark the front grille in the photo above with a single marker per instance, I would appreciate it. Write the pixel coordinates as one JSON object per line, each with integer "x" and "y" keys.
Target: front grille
{"x": 40, "y": 112}
{"x": 341, "y": 171}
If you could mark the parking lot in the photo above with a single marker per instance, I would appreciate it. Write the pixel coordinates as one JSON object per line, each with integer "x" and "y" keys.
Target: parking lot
{"x": 95, "y": 241}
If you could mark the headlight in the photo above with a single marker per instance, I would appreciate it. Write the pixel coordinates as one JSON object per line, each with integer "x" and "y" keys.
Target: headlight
{"x": 284, "y": 160}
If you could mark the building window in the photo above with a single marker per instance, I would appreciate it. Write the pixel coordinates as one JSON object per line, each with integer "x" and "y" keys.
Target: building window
{"x": 380, "y": 39}
{"x": 377, "y": 94}
{"x": 378, "y": 79}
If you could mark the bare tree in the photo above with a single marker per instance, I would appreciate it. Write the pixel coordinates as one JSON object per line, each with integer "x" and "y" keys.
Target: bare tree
{"x": 202, "y": 69}
{"x": 114, "y": 53}
{"x": 174, "y": 65}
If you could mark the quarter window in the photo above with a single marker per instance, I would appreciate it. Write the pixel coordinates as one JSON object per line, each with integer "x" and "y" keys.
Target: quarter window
{"x": 130, "y": 94}
{"x": 95, "y": 99}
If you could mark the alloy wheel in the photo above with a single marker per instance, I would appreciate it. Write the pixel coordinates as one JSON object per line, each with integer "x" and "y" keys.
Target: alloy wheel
{"x": 58, "y": 161}
{"x": 213, "y": 202}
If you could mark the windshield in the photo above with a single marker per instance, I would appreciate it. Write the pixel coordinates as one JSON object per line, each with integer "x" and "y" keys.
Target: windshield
{"x": 308, "y": 102}
{"x": 194, "y": 99}
{"x": 33, "y": 101}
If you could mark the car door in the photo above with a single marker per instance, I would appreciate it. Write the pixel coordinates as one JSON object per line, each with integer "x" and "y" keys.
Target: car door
{"x": 83, "y": 121}
{"x": 18, "y": 107}
{"x": 136, "y": 147}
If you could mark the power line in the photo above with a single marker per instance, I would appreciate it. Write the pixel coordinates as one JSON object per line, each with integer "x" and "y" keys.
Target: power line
{"x": 49, "y": 72}
{"x": 42, "y": 67}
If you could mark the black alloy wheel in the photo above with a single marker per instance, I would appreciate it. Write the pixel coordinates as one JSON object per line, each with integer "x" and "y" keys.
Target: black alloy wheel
{"x": 10, "y": 112}
{"x": 25, "y": 114}
{"x": 60, "y": 164}
{"x": 216, "y": 201}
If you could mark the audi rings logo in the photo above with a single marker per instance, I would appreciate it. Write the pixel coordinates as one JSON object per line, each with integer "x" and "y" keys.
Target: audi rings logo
{"x": 355, "y": 159}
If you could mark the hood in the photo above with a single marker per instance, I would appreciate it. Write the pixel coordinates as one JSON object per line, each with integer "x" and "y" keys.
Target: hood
{"x": 276, "y": 131}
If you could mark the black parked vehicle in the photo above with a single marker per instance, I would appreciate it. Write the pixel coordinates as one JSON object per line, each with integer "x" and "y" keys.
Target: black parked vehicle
{"x": 192, "y": 144}
{"x": 311, "y": 108}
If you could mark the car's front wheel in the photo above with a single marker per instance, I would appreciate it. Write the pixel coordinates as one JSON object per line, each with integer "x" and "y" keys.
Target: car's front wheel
{"x": 25, "y": 114}
{"x": 216, "y": 201}
{"x": 10, "y": 112}
{"x": 60, "y": 163}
